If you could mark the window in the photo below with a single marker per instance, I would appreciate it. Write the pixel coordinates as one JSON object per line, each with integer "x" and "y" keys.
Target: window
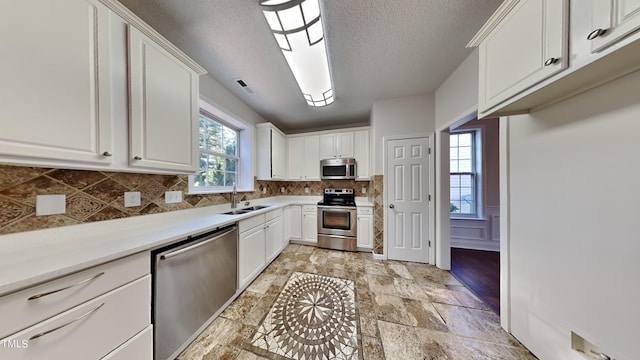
{"x": 464, "y": 177}
{"x": 219, "y": 154}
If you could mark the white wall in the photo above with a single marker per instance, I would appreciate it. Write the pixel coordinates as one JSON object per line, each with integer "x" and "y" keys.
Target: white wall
{"x": 399, "y": 116}
{"x": 574, "y": 209}
{"x": 458, "y": 95}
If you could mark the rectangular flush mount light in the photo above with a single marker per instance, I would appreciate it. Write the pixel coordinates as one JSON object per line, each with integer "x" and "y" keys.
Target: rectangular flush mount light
{"x": 297, "y": 27}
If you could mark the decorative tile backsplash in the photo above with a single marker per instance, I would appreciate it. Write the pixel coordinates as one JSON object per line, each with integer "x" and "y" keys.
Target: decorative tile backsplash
{"x": 96, "y": 195}
{"x": 378, "y": 213}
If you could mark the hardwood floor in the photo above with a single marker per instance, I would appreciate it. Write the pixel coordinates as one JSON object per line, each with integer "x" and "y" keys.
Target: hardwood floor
{"x": 480, "y": 272}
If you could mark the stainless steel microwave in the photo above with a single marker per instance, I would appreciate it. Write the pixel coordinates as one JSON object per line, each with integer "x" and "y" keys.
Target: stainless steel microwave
{"x": 338, "y": 169}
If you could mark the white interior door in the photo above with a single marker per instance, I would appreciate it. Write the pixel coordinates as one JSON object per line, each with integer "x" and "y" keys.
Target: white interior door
{"x": 407, "y": 199}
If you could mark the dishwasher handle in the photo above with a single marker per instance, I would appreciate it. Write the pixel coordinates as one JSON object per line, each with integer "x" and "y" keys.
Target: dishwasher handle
{"x": 195, "y": 246}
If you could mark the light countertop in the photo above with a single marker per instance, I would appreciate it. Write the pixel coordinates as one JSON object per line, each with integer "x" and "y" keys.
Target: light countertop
{"x": 32, "y": 257}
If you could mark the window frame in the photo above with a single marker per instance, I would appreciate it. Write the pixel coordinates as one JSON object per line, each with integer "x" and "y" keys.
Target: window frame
{"x": 216, "y": 189}
{"x": 475, "y": 173}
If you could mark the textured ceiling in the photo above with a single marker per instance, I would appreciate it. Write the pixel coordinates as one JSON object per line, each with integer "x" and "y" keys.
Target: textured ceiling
{"x": 377, "y": 49}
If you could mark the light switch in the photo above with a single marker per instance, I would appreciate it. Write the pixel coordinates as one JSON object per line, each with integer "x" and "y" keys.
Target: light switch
{"x": 172, "y": 197}
{"x": 50, "y": 204}
{"x": 131, "y": 198}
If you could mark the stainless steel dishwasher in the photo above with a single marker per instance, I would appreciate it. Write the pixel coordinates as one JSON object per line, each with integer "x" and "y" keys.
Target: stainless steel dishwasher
{"x": 191, "y": 281}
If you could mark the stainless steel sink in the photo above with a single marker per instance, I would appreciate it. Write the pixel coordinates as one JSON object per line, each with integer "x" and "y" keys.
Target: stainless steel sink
{"x": 245, "y": 210}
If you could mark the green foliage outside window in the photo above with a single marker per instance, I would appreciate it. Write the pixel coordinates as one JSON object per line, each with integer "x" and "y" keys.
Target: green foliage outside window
{"x": 218, "y": 154}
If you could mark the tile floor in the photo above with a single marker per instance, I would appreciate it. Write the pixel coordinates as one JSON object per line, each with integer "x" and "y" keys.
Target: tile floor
{"x": 406, "y": 311}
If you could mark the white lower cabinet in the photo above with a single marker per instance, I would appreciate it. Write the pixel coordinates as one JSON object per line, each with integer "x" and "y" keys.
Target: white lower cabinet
{"x": 292, "y": 222}
{"x": 260, "y": 241}
{"x": 365, "y": 227}
{"x": 251, "y": 251}
{"x": 310, "y": 223}
{"x": 274, "y": 236}
{"x": 139, "y": 347}
{"x": 90, "y": 330}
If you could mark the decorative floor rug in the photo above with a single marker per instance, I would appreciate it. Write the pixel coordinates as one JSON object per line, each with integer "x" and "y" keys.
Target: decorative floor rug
{"x": 314, "y": 317}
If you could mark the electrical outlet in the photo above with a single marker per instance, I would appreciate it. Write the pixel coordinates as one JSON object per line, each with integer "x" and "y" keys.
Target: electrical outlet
{"x": 306, "y": 190}
{"x": 264, "y": 189}
{"x": 282, "y": 189}
{"x": 50, "y": 204}
{"x": 364, "y": 189}
{"x": 172, "y": 197}
{"x": 131, "y": 198}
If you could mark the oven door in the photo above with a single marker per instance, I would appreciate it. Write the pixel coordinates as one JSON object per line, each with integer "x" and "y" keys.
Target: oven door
{"x": 337, "y": 220}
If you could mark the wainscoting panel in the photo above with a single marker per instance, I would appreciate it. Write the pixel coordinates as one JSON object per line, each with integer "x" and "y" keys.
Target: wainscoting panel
{"x": 481, "y": 234}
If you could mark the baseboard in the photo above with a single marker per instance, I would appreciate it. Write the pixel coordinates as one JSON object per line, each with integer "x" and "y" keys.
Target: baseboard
{"x": 379, "y": 256}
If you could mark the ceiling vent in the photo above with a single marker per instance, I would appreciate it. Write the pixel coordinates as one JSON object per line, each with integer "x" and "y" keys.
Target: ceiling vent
{"x": 244, "y": 86}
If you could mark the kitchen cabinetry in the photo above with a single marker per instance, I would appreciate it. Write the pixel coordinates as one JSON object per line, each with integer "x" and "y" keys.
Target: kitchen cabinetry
{"x": 362, "y": 154}
{"x": 303, "y": 158}
{"x": 163, "y": 107}
{"x": 310, "y": 224}
{"x": 337, "y": 145}
{"x": 612, "y": 20}
{"x": 271, "y": 144}
{"x": 596, "y": 56}
{"x": 56, "y": 87}
{"x": 527, "y": 45}
{"x": 260, "y": 241}
{"x": 365, "y": 227}
{"x": 70, "y": 107}
{"x": 84, "y": 315}
{"x": 292, "y": 223}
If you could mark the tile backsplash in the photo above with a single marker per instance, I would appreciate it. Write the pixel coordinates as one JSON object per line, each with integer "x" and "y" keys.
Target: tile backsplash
{"x": 96, "y": 195}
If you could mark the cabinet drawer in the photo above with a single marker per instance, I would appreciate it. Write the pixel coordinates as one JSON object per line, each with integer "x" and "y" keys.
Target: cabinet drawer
{"x": 58, "y": 295}
{"x": 365, "y": 210}
{"x": 88, "y": 331}
{"x": 250, "y": 223}
{"x": 139, "y": 347}
{"x": 273, "y": 214}
{"x": 309, "y": 208}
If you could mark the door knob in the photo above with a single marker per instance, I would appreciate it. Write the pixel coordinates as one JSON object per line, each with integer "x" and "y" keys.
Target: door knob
{"x": 551, "y": 61}
{"x": 391, "y": 206}
{"x": 137, "y": 157}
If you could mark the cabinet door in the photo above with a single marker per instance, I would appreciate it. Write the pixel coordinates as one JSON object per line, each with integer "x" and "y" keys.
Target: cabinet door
{"x": 251, "y": 250}
{"x": 296, "y": 157}
{"x": 328, "y": 146}
{"x": 361, "y": 153}
{"x": 344, "y": 145}
{"x": 310, "y": 227}
{"x": 55, "y": 88}
{"x": 311, "y": 160}
{"x": 164, "y": 109}
{"x": 277, "y": 155}
{"x": 274, "y": 238}
{"x": 365, "y": 231}
{"x": 527, "y": 46}
{"x": 292, "y": 223}
{"x": 617, "y": 18}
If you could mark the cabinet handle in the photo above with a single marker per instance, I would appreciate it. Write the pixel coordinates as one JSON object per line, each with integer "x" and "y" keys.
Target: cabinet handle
{"x": 596, "y": 33}
{"x": 66, "y": 287}
{"x": 137, "y": 158}
{"x": 551, "y": 61}
{"x": 107, "y": 153}
{"x": 66, "y": 324}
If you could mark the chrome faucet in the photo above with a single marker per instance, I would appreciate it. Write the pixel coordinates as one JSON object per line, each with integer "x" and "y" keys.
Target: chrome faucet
{"x": 234, "y": 197}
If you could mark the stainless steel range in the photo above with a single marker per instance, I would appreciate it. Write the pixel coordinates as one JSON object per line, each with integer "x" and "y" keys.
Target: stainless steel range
{"x": 337, "y": 220}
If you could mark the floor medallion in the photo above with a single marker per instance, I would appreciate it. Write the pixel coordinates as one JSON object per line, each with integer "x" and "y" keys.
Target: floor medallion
{"x": 314, "y": 317}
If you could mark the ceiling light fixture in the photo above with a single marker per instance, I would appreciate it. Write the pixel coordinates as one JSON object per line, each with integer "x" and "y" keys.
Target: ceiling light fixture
{"x": 297, "y": 27}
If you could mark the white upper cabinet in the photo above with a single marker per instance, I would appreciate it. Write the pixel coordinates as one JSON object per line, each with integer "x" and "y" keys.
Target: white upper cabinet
{"x": 597, "y": 41}
{"x": 303, "y": 153}
{"x": 55, "y": 88}
{"x": 525, "y": 44}
{"x": 271, "y": 144}
{"x": 362, "y": 154}
{"x": 64, "y": 90}
{"x": 338, "y": 145}
{"x": 163, "y": 107}
{"x": 612, "y": 20}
